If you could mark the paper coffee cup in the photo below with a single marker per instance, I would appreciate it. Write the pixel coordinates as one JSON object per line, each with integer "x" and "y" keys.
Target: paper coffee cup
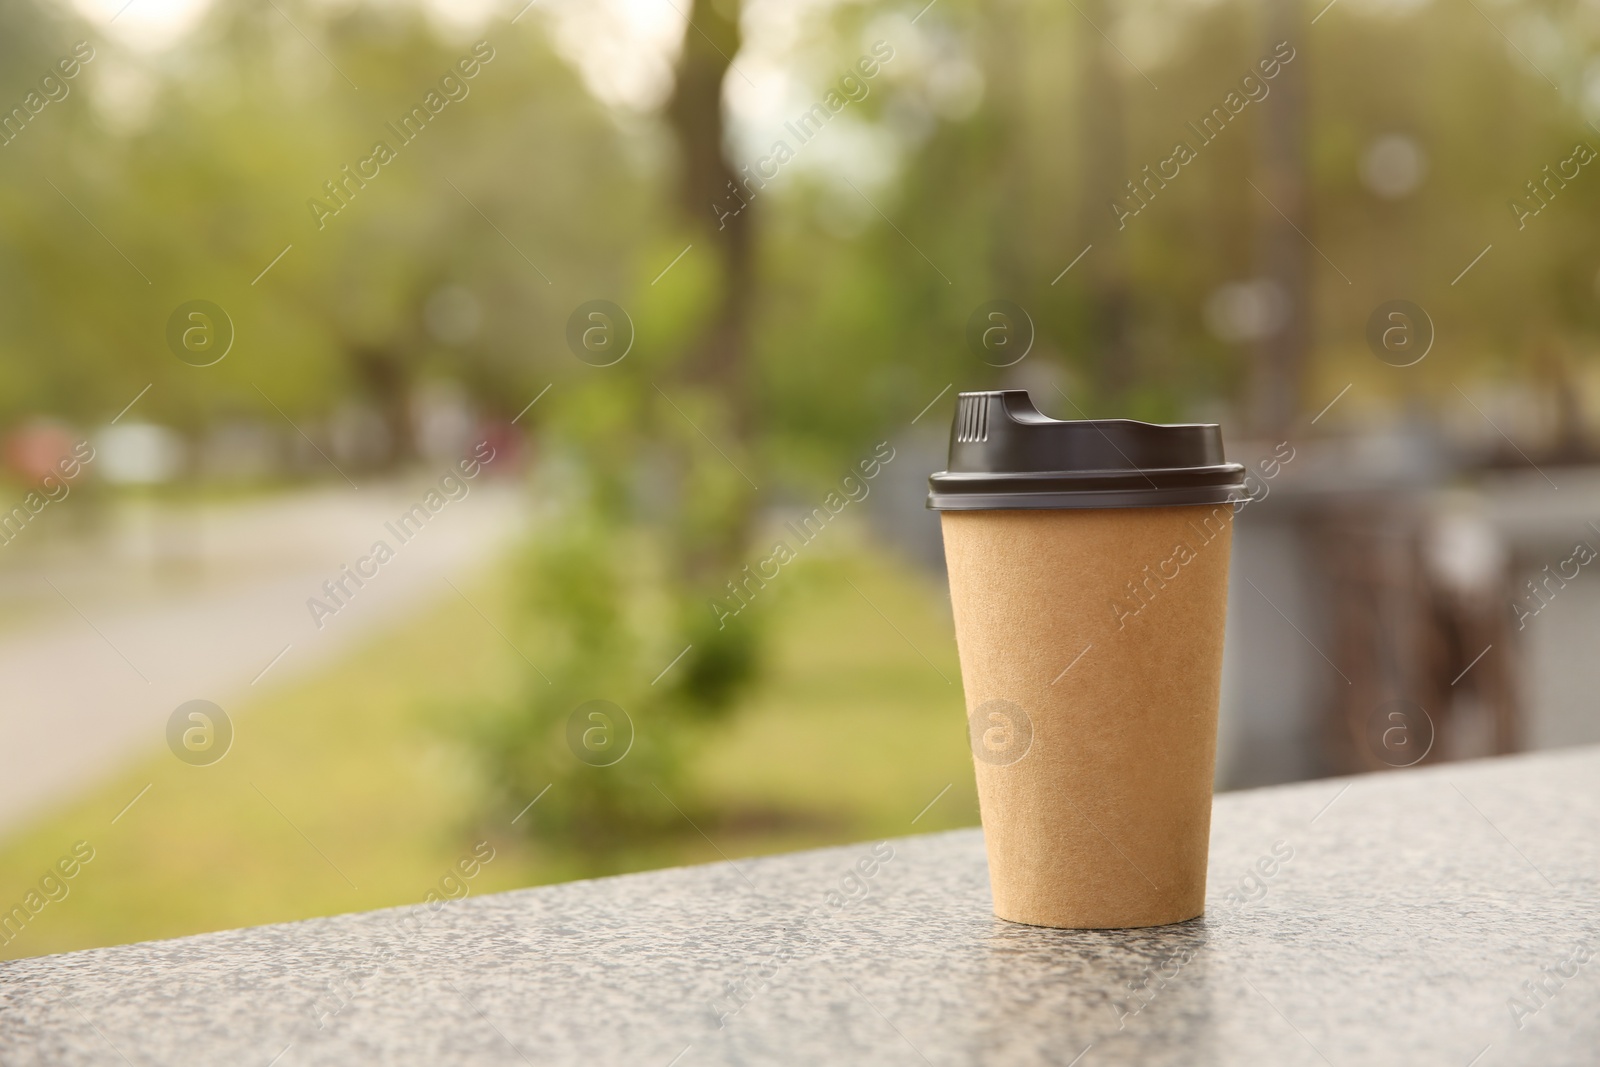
{"x": 1088, "y": 568}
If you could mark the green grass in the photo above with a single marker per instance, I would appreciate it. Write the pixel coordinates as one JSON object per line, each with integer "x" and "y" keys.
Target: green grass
{"x": 348, "y": 790}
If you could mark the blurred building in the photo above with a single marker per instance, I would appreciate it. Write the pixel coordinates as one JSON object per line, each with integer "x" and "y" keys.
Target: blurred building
{"x": 1396, "y": 602}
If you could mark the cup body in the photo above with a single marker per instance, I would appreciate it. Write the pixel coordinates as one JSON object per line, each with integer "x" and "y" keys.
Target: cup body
{"x": 1091, "y": 655}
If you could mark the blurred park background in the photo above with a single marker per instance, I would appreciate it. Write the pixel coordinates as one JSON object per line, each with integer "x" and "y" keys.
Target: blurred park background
{"x": 579, "y": 308}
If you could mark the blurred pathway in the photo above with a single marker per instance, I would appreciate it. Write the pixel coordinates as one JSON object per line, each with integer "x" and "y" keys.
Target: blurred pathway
{"x": 107, "y": 635}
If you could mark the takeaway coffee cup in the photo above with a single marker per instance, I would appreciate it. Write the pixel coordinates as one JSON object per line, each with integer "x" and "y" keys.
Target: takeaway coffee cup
{"x": 1088, "y": 570}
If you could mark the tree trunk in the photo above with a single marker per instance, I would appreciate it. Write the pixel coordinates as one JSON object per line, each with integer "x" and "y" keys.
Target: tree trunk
{"x": 709, "y": 187}
{"x": 1105, "y": 158}
{"x": 1283, "y": 254}
{"x": 710, "y": 194}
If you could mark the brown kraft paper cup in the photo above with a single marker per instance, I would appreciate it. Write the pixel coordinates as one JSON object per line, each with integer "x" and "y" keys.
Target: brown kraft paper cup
{"x": 1104, "y": 817}
{"x": 1090, "y": 640}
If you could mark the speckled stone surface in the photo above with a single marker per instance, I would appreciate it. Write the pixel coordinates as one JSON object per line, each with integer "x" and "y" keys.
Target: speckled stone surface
{"x": 1413, "y": 909}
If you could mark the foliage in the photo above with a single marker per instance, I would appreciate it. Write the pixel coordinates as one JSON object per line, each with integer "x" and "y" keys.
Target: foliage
{"x": 203, "y": 182}
{"x": 618, "y": 614}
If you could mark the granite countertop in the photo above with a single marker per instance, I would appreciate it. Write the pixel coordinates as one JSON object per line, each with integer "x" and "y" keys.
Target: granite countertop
{"x": 1402, "y": 918}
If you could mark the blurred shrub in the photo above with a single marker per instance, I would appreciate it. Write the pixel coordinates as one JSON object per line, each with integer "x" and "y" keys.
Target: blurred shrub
{"x": 617, "y": 581}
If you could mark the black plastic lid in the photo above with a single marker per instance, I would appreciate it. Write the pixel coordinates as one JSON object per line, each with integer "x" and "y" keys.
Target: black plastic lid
{"x": 1004, "y": 453}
